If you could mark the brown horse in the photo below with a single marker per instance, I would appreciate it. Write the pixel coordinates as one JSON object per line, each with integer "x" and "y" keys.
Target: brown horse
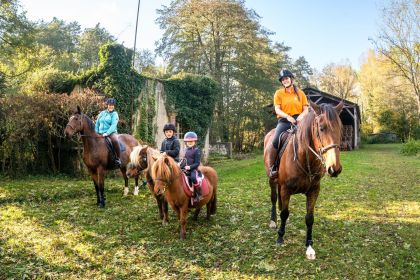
{"x": 142, "y": 159}
{"x": 168, "y": 179}
{"x": 309, "y": 153}
{"x": 96, "y": 155}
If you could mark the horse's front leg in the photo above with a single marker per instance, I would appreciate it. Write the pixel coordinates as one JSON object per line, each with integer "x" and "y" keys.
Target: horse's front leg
{"x": 311, "y": 198}
{"x": 94, "y": 176}
{"x": 273, "y": 187}
{"x": 123, "y": 171}
{"x": 136, "y": 186}
{"x": 183, "y": 221}
{"x": 101, "y": 186}
{"x": 284, "y": 214}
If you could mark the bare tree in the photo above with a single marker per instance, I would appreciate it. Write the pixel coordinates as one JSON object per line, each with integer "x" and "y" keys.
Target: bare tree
{"x": 339, "y": 80}
{"x": 398, "y": 41}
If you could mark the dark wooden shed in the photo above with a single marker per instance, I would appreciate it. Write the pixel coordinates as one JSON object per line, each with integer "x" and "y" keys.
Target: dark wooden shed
{"x": 350, "y": 116}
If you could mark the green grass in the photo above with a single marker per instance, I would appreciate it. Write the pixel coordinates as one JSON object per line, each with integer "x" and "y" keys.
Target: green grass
{"x": 367, "y": 224}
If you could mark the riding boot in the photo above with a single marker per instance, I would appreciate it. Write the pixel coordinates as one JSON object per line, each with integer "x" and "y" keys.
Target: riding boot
{"x": 116, "y": 148}
{"x": 197, "y": 191}
{"x": 272, "y": 160}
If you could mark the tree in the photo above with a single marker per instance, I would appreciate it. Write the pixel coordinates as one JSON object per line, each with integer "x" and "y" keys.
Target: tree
{"x": 386, "y": 101}
{"x": 398, "y": 41}
{"x": 90, "y": 42}
{"x": 339, "y": 80}
{"x": 224, "y": 39}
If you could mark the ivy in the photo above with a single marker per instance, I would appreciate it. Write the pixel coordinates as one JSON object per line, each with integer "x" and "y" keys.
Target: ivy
{"x": 193, "y": 98}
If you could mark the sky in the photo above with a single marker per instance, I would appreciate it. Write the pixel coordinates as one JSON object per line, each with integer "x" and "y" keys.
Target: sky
{"x": 323, "y": 31}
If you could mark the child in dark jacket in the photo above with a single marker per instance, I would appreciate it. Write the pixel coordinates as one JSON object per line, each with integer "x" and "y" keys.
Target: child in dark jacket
{"x": 170, "y": 145}
{"x": 193, "y": 156}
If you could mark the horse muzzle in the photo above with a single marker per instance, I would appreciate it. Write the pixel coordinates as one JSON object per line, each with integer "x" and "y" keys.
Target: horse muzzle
{"x": 334, "y": 172}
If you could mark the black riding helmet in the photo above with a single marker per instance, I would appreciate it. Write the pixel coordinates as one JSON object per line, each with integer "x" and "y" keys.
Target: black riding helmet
{"x": 285, "y": 73}
{"x": 111, "y": 101}
{"x": 169, "y": 126}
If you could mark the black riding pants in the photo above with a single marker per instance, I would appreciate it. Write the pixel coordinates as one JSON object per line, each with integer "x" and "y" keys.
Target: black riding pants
{"x": 282, "y": 125}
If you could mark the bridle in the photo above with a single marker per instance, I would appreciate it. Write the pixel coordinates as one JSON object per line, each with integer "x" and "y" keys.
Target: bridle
{"x": 322, "y": 149}
{"x": 81, "y": 125}
{"x": 319, "y": 154}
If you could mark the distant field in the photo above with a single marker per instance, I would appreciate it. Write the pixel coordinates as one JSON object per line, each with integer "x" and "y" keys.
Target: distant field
{"x": 367, "y": 224}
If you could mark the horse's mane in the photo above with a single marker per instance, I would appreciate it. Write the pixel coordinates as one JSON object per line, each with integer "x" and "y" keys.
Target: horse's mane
{"x": 89, "y": 121}
{"x": 163, "y": 167}
{"x": 304, "y": 132}
{"x": 151, "y": 154}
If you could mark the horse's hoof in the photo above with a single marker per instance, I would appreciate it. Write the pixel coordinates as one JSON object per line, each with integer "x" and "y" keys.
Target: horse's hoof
{"x": 136, "y": 191}
{"x": 165, "y": 223}
{"x": 125, "y": 191}
{"x": 280, "y": 241}
{"x": 310, "y": 253}
{"x": 273, "y": 224}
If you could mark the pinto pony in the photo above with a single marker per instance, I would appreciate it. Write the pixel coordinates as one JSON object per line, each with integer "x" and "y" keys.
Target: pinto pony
{"x": 142, "y": 159}
{"x": 309, "y": 153}
{"x": 169, "y": 181}
{"x": 96, "y": 155}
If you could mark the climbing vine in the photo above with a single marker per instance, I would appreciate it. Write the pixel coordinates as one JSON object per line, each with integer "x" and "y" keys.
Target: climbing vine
{"x": 193, "y": 98}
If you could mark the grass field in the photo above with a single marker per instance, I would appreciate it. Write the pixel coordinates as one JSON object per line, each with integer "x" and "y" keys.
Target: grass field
{"x": 367, "y": 226}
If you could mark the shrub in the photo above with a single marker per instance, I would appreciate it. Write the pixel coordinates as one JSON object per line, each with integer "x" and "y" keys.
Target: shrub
{"x": 411, "y": 148}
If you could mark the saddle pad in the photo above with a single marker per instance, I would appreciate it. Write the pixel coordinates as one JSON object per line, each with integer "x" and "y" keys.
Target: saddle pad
{"x": 188, "y": 189}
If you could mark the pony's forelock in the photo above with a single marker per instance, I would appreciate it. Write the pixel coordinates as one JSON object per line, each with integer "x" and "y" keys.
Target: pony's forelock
{"x": 135, "y": 155}
{"x": 163, "y": 170}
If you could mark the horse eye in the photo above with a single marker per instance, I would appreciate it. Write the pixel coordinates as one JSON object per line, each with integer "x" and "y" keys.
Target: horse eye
{"x": 144, "y": 159}
{"x": 322, "y": 128}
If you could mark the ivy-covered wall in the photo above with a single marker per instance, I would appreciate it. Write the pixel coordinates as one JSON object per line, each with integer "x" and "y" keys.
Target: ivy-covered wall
{"x": 192, "y": 97}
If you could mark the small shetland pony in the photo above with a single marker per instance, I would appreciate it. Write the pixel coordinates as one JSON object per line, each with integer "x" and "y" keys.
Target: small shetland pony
{"x": 142, "y": 159}
{"x": 96, "y": 155}
{"x": 309, "y": 153}
{"x": 168, "y": 179}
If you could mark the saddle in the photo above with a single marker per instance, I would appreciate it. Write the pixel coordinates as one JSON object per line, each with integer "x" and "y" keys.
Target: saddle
{"x": 189, "y": 189}
{"x": 111, "y": 150}
{"x": 284, "y": 139}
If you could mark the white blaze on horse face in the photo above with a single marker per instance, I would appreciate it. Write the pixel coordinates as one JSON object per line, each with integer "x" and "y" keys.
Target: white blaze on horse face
{"x": 332, "y": 159}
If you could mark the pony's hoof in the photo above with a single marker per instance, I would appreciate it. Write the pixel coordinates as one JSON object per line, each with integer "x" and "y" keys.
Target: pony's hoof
{"x": 136, "y": 190}
{"x": 101, "y": 205}
{"x": 273, "y": 224}
{"x": 279, "y": 241}
{"x": 165, "y": 223}
{"x": 310, "y": 253}
{"x": 125, "y": 191}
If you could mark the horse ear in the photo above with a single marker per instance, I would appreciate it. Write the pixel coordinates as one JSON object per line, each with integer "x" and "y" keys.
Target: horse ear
{"x": 166, "y": 160}
{"x": 315, "y": 107}
{"x": 143, "y": 149}
{"x": 79, "y": 111}
{"x": 339, "y": 107}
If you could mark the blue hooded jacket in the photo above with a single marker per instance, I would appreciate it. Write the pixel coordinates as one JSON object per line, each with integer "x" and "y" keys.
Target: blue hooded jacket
{"x": 107, "y": 122}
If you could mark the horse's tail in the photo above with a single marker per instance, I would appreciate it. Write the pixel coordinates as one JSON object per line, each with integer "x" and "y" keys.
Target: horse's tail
{"x": 213, "y": 203}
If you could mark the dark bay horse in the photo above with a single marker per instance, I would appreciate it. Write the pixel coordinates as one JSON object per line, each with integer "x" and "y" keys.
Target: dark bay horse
{"x": 167, "y": 177}
{"x": 96, "y": 155}
{"x": 142, "y": 159}
{"x": 309, "y": 153}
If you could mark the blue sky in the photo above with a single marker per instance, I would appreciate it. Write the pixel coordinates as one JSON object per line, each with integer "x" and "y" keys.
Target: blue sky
{"x": 323, "y": 31}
